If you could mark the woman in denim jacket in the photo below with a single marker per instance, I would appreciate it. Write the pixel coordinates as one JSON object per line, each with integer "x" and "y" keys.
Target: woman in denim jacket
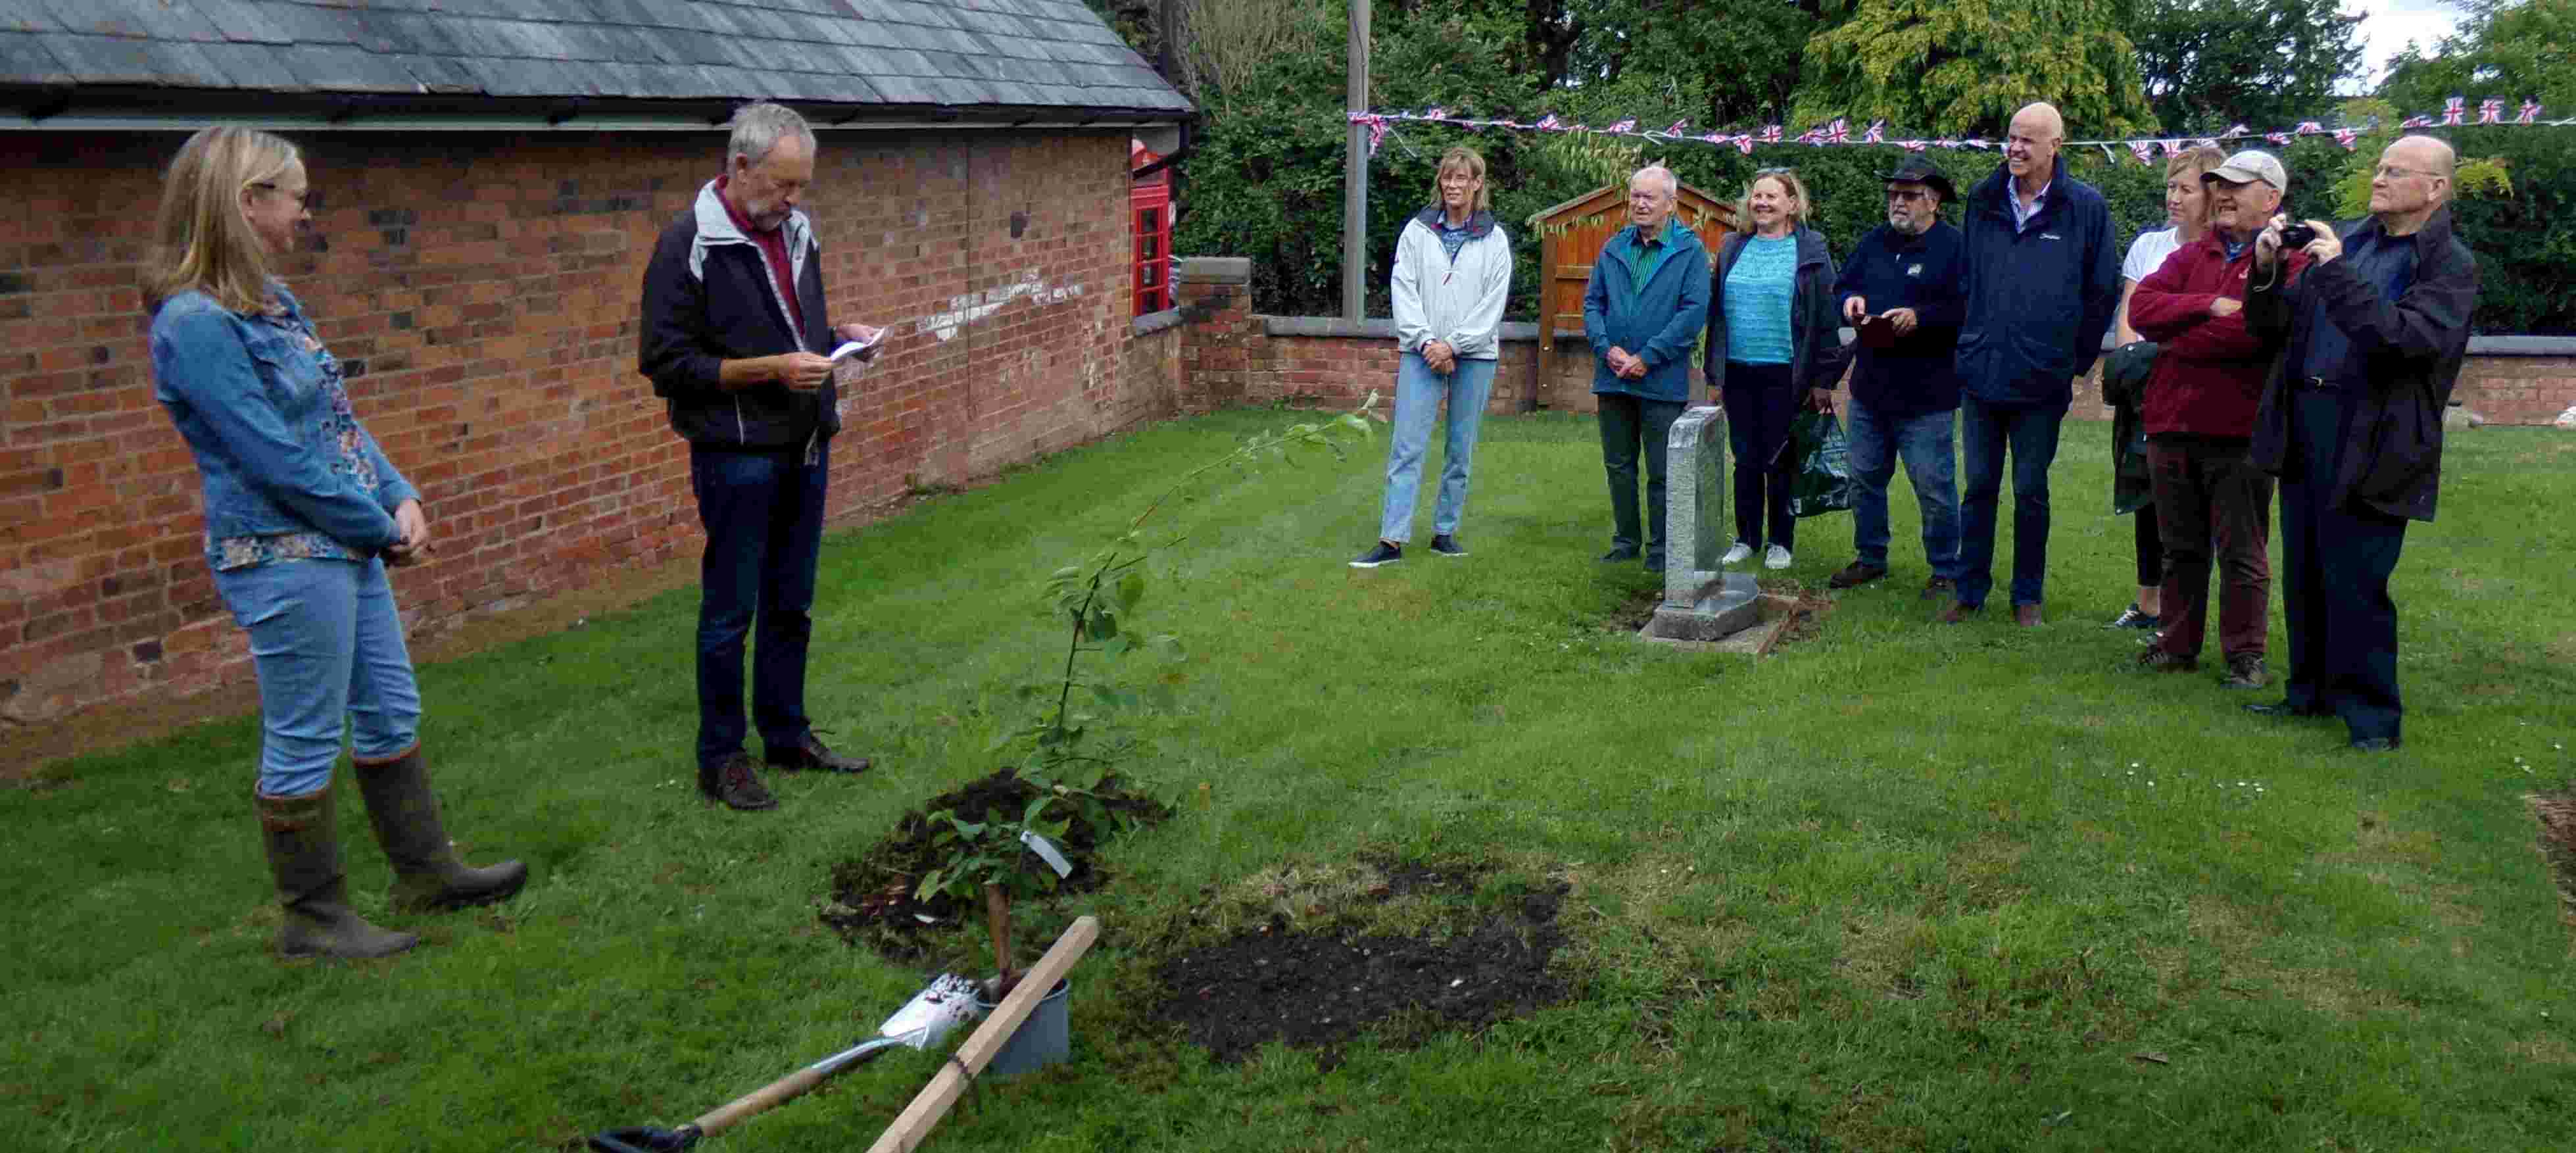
{"x": 303, "y": 512}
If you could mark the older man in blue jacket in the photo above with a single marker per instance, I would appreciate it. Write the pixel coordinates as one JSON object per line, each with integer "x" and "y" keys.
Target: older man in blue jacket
{"x": 2043, "y": 281}
{"x": 1643, "y": 311}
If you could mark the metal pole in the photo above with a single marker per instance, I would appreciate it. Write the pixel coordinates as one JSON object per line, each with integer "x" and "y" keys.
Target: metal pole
{"x": 1355, "y": 174}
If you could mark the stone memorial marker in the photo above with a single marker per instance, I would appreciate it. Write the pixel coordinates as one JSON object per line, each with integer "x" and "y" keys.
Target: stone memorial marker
{"x": 1701, "y": 601}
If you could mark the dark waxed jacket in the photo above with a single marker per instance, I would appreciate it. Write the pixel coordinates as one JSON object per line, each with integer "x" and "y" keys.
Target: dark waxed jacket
{"x": 2411, "y": 349}
{"x": 1919, "y": 373}
{"x": 1816, "y": 354}
{"x": 2039, "y": 299}
{"x": 709, "y": 298}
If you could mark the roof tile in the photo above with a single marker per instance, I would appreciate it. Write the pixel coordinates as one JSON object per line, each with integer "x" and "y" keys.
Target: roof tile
{"x": 24, "y": 59}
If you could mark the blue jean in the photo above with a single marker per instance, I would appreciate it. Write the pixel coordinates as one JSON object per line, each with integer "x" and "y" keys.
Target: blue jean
{"x": 328, "y": 648}
{"x": 1986, "y": 432}
{"x": 763, "y": 512}
{"x": 1923, "y": 441}
{"x": 1760, "y": 401}
{"x": 1418, "y": 392}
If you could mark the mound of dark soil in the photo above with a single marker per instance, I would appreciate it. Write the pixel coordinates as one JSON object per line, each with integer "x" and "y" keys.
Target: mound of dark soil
{"x": 1321, "y": 990}
{"x": 872, "y": 902}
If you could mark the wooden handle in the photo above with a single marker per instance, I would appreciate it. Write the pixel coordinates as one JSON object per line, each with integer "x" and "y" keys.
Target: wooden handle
{"x": 726, "y": 1116}
{"x": 933, "y": 1102}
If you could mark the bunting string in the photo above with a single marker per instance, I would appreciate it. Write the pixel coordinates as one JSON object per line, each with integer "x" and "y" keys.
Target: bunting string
{"x": 2455, "y": 113}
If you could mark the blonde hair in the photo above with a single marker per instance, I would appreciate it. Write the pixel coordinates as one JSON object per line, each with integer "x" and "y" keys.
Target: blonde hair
{"x": 1474, "y": 162}
{"x": 203, "y": 241}
{"x": 2194, "y": 162}
{"x": 1799, "y": 205}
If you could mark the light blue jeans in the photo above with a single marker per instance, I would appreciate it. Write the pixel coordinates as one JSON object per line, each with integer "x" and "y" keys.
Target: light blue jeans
{"x": 328, "y": 647}
{"x": 1923, "y": 442}
{"x": 1418, "y": 392}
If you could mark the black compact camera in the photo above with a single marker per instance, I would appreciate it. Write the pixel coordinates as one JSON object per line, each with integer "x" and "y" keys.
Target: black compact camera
{"x": 2297, "y": 236}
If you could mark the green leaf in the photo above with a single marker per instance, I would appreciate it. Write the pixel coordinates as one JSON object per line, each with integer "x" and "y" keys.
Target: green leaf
{"x": 1103, "y": 623}
{"x": 1131, "y": 589}
{"x": 929, "y": 886}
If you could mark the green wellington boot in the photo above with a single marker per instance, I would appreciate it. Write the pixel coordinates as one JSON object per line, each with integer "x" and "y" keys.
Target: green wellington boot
{"x": 303, "y": 837}
{"x": 427, "y": 875}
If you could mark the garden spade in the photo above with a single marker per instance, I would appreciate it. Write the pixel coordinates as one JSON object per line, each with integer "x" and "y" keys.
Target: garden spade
{"x": 933, "y": 1013}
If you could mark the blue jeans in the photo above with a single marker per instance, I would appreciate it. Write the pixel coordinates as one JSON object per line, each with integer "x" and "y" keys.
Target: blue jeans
{"x": 1418, "y": 392}
{"x": 1876, "y": 442}
{"x": 328, "y": 648}
{"x": 1985, "y": 432}
{"x": 763, "y": 512}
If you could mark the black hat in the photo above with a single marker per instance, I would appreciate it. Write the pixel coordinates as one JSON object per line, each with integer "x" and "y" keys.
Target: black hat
{"x": 1921, "y": 170}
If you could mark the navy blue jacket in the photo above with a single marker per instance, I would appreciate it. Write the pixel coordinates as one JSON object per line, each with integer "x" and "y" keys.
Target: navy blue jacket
{"x": 1816, "y": 355}
{"x": 1888, "y": 269}
{"x": 2040, "y": 299}
{"x": 709, "y": 298}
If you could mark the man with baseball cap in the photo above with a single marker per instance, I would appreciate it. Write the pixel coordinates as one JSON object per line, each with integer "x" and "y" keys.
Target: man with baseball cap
{"x": 2201, "y": 399}
{"x": 1905, "y": 288}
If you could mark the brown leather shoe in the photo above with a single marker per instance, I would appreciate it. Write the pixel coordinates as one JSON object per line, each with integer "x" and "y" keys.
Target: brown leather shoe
{"x": 2157, "y": 659}
{"x": 1959, "y": 611}
{"x": 1939, "y": 587}
{"x": 809, "y": 753}
{"x": 2027, "y": 616}
{"x": 1854, "y": 574}
{"x": 737, "y": 784}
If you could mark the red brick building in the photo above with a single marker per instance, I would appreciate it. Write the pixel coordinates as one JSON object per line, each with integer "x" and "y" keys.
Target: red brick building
{"x": 488, "y": 180}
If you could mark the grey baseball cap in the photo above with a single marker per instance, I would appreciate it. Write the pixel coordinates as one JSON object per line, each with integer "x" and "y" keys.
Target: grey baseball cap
{"x": 2249, "y": 166}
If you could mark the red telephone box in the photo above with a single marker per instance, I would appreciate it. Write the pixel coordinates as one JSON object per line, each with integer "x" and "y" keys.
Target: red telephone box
{"x": 1149, "y": 218}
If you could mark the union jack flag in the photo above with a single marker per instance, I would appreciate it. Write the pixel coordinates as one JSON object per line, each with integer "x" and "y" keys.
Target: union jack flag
{"x": 1549, "y": 123}
{"x": 1679, "y": 128}
{"x": 2491, "y": 111}
{"x": 2144, "y": 150}
{"x": 1978, "y": 142}
{"x": 1628, "y": 125}
{"x": 2416, "y": 122}
{"x": 1877, "y": 133}
{"x": 2277, "y": 137}
{"x": 2530, "y": 112}
{"x": 1770, "y": 134}
{"x": 2234, "y": 132}
{"x": 2309, "y": 128}
{"x": 1436, "y": 114}
{"x": 1744, "y": 143}
{"x": 2454, "y": 111}
{"x": 1911, "y": 145}
{"x": 1838, "y": 132}
{"x": 1947, "y": 142}
{"x": 2345, "y": 137}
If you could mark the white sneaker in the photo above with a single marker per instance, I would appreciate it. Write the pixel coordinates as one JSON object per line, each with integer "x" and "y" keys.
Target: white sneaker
{"x": 1737, "y": 554}
{"x": 1776, "y": 558}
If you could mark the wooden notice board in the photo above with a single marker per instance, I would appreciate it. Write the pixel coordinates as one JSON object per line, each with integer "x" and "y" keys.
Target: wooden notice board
{"x": 1571, "y": 235}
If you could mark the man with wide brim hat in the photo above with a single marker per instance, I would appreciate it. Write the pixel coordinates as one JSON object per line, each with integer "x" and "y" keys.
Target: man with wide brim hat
{"x": 1904, "y": 288}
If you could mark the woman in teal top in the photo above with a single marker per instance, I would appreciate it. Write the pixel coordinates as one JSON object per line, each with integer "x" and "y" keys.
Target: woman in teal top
{"x": 1773, "y": 344}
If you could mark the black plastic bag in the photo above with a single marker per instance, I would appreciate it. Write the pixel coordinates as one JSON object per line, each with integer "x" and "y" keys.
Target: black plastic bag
{"x": 1823, "y": 482}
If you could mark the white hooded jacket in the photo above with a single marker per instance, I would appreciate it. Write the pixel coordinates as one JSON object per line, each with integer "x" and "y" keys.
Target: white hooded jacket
{"x": 1459, "y": 303}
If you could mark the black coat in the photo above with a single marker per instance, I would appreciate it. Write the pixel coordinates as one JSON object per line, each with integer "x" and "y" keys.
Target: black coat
{"x": 1817, "y": 356}
{"x": 2411, "y": 348}
{"x": 727, "y": 308}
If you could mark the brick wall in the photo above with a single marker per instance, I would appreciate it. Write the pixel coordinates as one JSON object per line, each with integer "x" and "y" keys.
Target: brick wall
{"x": 481, "y": 288}
{"x": 2517, "y": 389}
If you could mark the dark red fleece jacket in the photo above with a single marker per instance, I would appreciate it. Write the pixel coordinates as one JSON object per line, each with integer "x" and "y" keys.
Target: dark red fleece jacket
{"x": 2208, "y": 378}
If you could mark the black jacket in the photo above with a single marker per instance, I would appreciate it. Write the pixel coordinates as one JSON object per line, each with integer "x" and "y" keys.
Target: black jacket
{"x": 709, "y": 298}
{"x": 1816, "y": 356}
{"x": 1919, "y": 374}
{"x": 2039, "y": 299}
{"x": 2412, "y": 347}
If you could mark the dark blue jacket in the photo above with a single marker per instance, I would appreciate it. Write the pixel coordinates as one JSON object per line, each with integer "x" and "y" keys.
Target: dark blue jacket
{"x": 1658, "y": 320}
{"x": 709, "y": 298}
{"x": 1816, "y": 354}
{"x": 1888, "y": 269}
{"x": 2039, "y": 299}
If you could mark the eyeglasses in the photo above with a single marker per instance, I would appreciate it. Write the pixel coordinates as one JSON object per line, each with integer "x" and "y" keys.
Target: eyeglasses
{"x": 1907, "y": 195}
{"x": 2392, "y": 172}
{"x": 270, "y": 186}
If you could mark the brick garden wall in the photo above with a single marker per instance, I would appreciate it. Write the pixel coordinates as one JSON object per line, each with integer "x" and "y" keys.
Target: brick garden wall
{"x": 481, "y": 288}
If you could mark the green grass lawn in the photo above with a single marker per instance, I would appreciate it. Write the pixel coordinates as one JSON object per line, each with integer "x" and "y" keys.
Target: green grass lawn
{"x": 1900, "y": 886}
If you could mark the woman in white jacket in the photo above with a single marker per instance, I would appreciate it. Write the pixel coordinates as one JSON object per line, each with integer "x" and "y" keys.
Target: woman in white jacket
{"x": 1453, "y": 269}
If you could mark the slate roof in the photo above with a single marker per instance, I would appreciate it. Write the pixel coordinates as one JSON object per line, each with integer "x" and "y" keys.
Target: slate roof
{"x": 1031, "y": 54}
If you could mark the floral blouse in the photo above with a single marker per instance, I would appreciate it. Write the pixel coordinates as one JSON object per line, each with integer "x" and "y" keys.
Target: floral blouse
{"x": 350, "y": 458}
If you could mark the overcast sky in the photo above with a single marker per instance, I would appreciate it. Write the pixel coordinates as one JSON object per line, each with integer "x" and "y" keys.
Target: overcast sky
{"x": 2392, "y": 23}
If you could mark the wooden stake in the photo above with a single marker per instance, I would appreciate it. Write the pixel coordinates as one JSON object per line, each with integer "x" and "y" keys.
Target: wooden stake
{"x": 997, "y": 911}
{"x": 926, "y": 1109}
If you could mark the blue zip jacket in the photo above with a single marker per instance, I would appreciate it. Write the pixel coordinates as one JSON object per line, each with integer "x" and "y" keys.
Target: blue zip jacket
{"x": 1659, "y": 318}
{"x": 248, "y": 397}
{"x": 1919, "y": 374}
{"x": 2039, "y": 299}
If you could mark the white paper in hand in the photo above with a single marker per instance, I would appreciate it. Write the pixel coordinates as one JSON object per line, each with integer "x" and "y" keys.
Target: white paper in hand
{"x": 856, "y": 347}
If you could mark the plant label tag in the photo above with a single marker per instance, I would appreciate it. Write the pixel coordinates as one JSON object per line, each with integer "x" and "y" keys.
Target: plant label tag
{"x": 1046, "y": 851}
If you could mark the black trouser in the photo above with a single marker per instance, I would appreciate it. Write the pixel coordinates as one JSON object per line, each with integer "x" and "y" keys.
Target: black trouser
{"x": 1625, "y": 421}
{"x": 1760, "y": 401}
{"x": 2151, "y": 547}
{"x": 2336, "y": 562}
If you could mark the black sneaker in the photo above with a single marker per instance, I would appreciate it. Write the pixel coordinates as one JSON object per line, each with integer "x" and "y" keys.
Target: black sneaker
{"x": 2134, "y": 618}
{"x": 735, "y": 783}
{"x": 1384, "y": 553}
{"x": 1447, "y": 545}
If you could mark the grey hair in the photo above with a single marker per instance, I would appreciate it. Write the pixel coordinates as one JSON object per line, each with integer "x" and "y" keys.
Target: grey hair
{"x": 1672, "y": 183}
{"x": 757, "y": 128}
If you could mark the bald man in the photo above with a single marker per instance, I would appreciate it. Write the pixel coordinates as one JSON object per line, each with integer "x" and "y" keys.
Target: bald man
{"x": 2351, "y": 421}
{"x": 2043, "y": 278}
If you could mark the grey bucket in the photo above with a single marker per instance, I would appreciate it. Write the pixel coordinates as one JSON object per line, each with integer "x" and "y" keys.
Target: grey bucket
{"x": 1044, "y": 1039}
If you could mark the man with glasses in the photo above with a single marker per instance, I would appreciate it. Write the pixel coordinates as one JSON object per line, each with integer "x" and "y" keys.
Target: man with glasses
{"x": 1902, "y": 290}
{"x": 2351, "y": 421}
{"x": 1643, "y": 310}
{"x": 2043, "y": 281}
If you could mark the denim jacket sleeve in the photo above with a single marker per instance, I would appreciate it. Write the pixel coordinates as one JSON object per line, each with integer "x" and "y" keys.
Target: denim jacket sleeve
{"x": 203, "y": 362}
